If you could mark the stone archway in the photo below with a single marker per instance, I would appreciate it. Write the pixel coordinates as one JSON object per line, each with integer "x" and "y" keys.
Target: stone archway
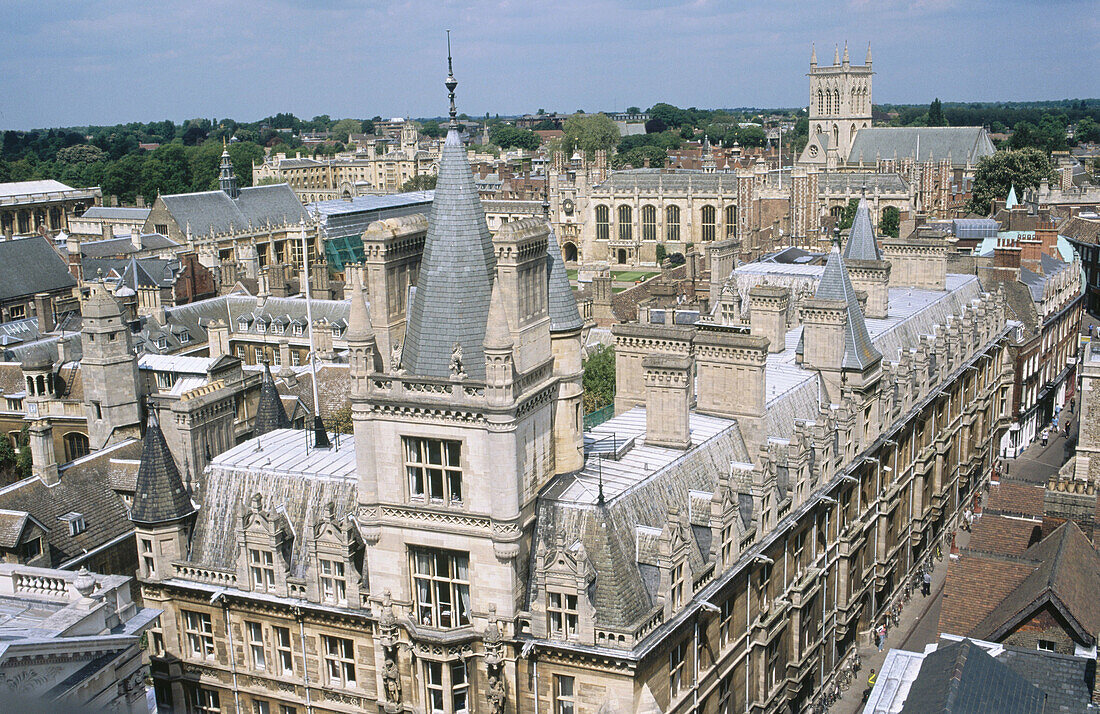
{"x": 569, "y": 252}
{"x": 621, "y": 258}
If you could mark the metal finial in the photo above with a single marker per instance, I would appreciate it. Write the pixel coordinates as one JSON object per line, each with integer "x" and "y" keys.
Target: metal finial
{"x": 451, "y": 82}
{"x": 546, "y": 192}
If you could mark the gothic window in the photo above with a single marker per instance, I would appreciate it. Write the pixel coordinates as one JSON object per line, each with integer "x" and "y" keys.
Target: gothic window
{"x": 200, "y": 634}
{"x": 434, "y": 469}
{"x": 626, "y": 223}
{"x": 339, "y": 661}
{"x": 448, "y": 687}
{"x": 672, "y": 224}
{"x": 334, "y": 584}
{"x": 836, "y": 135}
{"x": 709, "y": 219}
{"x": 283, "y": 653}
{"x": 441, "y": 580}
{"x": 676, "y": 669}
{"x": 731, "y": 221}
{"x": 603, "y": 223}
{"x": 564, "y": 688}
{"x": 561, "y": 614}
{"x": 76, "y": 445}
{"x": 836, "y": 101}
{"x": 261, "y": 566}
{"x": 775, "y": 663}
{"x": 255, "y": 633}
{"x": 763, "y": 583}
{"x": 820, "y": 102}
{"x": 649, "y": 222}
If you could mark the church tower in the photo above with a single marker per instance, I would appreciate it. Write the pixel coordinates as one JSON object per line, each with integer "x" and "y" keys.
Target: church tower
{"x": 109, "y": 371}
{"x": 227, "y": 180}
{"x": 840, "y": 105}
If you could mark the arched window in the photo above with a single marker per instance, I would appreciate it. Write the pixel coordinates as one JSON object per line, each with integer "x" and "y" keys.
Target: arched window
{"x": 569, "y": 251}
{"x": 852, "y": 134}
{"x": 626, "y": 223}
{"x": 836, "y": 101}
{"x": 603, "y": 223}
{"x": 836, "y": 135}
{"x": 731, "y": 221}
{"x": 820, "y": 102}
{"x": 709, "y": 218}
{"x": 76, "y": 445}
{"x": 649, "y": 222}
{"x": 672, "y": 224}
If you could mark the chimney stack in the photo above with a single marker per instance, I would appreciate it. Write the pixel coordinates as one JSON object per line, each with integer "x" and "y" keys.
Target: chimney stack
{"x": 667, "y": 400}
{"x": 43, "y": 307}
{"x": 768, "y": 314}
{"x": 731, "y": 380}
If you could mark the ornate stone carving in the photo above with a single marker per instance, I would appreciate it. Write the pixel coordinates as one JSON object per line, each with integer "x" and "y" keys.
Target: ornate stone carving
{"x": 492, "y": 641}
{"x": 387, "y": 637}
{"x": 457, "y": 370}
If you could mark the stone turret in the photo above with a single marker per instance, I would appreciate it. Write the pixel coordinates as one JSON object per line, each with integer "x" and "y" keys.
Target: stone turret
{"x": 565, "y": 345}
{"x": 868, "y": 271}
{"x": 500, "y": 369}
{"x": 227, "y": 179}
{"x": 270, "y": 413}
{"x": 109, "y": 371}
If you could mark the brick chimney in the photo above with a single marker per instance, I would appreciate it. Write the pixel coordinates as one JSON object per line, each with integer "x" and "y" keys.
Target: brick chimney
{"x": 43, "y": 309}
{"x": 1007, "y": 254}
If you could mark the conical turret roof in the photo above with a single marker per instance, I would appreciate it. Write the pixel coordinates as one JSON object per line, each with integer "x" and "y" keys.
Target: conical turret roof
{"x": 359, "y": 326}
{"x": 456, "y": 275}
{"x": 498, "y": 336}
{"x": 859, "y": 351}
{"x": 1012, "y": 201}
{"x": 159, "y": 496}
{"x": 270, "y": 414}
{"x": 564, "y": 315}
{"x": 861, "y": 243}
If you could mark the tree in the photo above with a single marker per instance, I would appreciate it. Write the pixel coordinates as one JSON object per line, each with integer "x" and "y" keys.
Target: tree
{"x": 996, "y": 174}
{"x": 633, "y": 110}
{"x": 368, "y": 126}
{"x": 423, "y": 182}
{"x": 344, "y": 128}
{"x": 1087, "y": 131}
{"x": 244, "y": 154}
{"x": 891, "y": 222}
{"x": 590, "y": 133}
{"x": 849, "y": 214}
{"x": 668, "y": 115}
{"x": 431, "y": 129}
{"x": 81, "y": 154}
{"x": 935, "y": 114}
{"x": 752, "y": 136}
{"x": 598, "y": 382}
{"x": 506, "y": 137}
{"x": 661, "y": 253}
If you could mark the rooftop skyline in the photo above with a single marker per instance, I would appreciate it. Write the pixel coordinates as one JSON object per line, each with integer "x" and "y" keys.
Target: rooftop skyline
{"x": 118, "y": 61}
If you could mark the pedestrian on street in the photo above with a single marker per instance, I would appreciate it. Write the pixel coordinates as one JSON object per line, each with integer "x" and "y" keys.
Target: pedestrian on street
{"x": 881, "y": 636}
{"x": 926, "y": 583}
{"x": 1068, "y": 423}
{"x": 1046, "y": 434}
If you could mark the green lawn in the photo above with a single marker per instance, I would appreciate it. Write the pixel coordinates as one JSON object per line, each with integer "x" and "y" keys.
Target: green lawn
{"x": 571, "y": 274}
{"x": 629, "y": 276}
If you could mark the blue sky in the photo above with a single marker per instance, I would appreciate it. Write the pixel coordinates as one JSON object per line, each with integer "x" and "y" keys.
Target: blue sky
{"x": 110, "y": 61}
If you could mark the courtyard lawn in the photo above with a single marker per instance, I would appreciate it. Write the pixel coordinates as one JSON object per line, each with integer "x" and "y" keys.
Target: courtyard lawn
{"x": 630, "y": 276}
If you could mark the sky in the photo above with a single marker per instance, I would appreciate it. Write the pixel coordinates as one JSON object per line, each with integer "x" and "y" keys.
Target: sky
{"x": 66, "y": 63}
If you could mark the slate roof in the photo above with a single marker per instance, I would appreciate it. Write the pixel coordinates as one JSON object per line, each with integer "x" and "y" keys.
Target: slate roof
{"x": 861, "y": 243}
{"x": 270, "y": 413}
{"x": 1066, "y": 680}
{"x": 964, "y": 144}
{"x": 962, "y": 678}
{"x": 142, "y": 272}
{"x": 451, "y": 302}
{"x": 215, "y": 211}
{"x": 1067, "y": 576}
{"x": 159, "y": 494}
{"x": 859, "y": 352}
{"x": 85, "y": 488}
{"x": 125, "y": 246}
{"x": 564, "y": 315}
{"x": 117, "y": 213}
{"x": 31, "y": 265}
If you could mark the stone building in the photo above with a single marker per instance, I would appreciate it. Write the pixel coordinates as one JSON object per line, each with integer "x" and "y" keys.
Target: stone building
{"x": 34, "y": 278}
{"x": 840, "y": 105}
{"x": 722, "y": 542}
{"x": 30, "y": 207}
{"x": 72, "y": 641}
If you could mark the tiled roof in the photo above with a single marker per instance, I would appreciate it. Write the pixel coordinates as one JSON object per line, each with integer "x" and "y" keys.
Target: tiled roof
{"x": 159, "y": 494}
{"x": 1015, "y": 498}
{"x": 962, "y": 678}
{"x": 963, "y": 144}
{"x": 456, "y": 275}
{"x": 12, "y": 524}
{"x": 974, "y": 587}
{"x": 29, "y": 266}
{"x": 861, "y": 243}
{"x": 1067, "y": 681}
{"x": 1004, "y": 536}
{"x": 84, "y": 488}
{"x": 270, "y": 414}
{"x": 124, "y": 245}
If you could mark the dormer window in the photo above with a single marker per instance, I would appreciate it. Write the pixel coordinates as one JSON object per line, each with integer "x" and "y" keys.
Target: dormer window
{"x": 242, "y": 325}
{"x": 75, "y": 522}
{"x": 261, "y": 327}
{"x": 678, "y": 587}
{"x": 299, "y": 329}
{"x": 162, "y": 342}
{"x": 184, "y": 337}
{"x": 335, "y": 331}
{"x": 166, "y": 380}
{"x": 561, "y": 614}
{"x": 261, "y": 566}
{"x": 334, "y": 584}
{"x": 30, "y": 549}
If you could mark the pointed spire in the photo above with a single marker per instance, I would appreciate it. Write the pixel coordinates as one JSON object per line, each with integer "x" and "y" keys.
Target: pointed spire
{"x": 1012, "y": 201}
{"x": 227, "y": 179}
{"x": 159, "y": 494}
{"x": 859, "y": 351}
{"x": 861, "y": 243}
{"x": 836, "y": 55}
{"x": 813, "y": 55}
{"x": 498, "y": 336}
{"x": 270, "y": 414}
{"x": 359, "y": 322}
{"x": 845, "y": 51}
{"x": 456, "y": 274}
{"x": 564, "y": 315}
{"x": 867, "y": 61}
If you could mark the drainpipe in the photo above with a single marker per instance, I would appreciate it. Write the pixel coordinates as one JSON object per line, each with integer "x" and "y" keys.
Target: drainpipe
{"x": 232, "y": 657}
{"x": 305, "y": 666}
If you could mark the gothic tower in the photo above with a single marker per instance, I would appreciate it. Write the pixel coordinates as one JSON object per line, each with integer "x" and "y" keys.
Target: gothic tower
{"x": 109, "y": 371}
{"x": 840, "y": 105}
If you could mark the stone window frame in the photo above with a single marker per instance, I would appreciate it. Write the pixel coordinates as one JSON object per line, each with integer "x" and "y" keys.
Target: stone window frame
{"x": 257, "y": 653}
{"x": 564, "y": 701}
{"x": 450, "y": 472}
{"x": 708, "y": 220}
{"x": 429, "y": 611}
{"x": 649, "y": 222}
{"x": 677, "y": 659}
{"x": 672, "y": 224}
{"x": 624, "y": 217}
{"x": 261, "y": 569}
{"x": 284, "y": 652}
{"x": 603, "y": 222}
{"x": 564, "y": 607}
{"x": 441, "y": 685}
{"x": 339, "y": 661}
{"x": 198, "y": 631}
